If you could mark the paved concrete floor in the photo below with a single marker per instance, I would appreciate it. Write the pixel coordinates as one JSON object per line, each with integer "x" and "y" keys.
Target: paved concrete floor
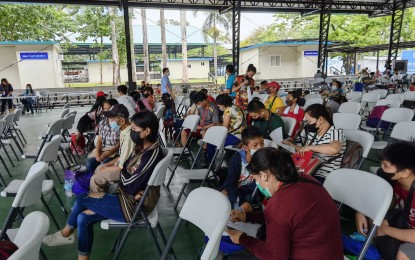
{"x": 139, "y": 245}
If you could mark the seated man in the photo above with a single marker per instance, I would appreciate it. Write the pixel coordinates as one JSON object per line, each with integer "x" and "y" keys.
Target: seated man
{"x": 397, "y": 167}
{"x": 106, "y": 173}
{"x": 107, "y": 140}
{"x": 209, "y": 116}
{"x": 239, "y": 184}
{"x": 274, "y": 103}
{"x": 264, "y": 119}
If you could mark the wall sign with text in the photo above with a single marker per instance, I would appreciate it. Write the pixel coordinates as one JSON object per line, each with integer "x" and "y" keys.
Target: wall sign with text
{"x": 310, "y": 53}
{"x": 34, "y": 56}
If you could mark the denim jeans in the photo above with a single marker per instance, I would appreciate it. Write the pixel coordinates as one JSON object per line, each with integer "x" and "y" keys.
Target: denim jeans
{"x": 92, "y": 163}
{"x": 107, "y": 207}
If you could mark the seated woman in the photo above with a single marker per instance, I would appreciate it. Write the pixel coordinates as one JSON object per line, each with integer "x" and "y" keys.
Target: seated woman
{"x": 29, "y": 101}
{"x": 302, "y": 221}
{"x": 149, "y": 98}
{"x": 293, "y": 109}
{"x": 94, "y": 207}
{"x": 323, "y": 139}
{"x": 233, "y": 118}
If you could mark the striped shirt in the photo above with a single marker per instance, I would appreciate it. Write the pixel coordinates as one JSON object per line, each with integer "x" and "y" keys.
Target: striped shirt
{"x": 135, "y": 175}
{"x": 331, "y": 135}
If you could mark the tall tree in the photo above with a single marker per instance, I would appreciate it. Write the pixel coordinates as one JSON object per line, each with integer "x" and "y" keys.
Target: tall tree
{"x": 133, "y": 64}
{"x": 212, "y": 28}
{"x": 116, "y": 77}
{"x": 183, "y": 27}
{"x": 163, "y": 39}
{"x": 145, "y": 46}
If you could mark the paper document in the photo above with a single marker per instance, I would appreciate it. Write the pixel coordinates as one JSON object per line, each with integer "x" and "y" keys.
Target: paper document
{"x": 276, "y": 135}
{"x": 248, "y": 228}
{"x": 287, "y": 147}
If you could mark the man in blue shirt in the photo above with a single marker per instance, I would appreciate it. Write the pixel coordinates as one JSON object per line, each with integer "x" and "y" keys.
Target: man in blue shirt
{"x": 230, "y": 71}
{"x": 166, "y": 86}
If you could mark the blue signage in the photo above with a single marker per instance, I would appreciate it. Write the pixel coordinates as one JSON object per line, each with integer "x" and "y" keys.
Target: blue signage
{"x": 310, "y": 53}
{"x": 33, "y": 55}
{"x": 410, "y": 57}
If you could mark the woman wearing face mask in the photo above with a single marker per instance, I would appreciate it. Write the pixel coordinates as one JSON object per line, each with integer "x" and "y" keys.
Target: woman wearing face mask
{"x": 243, "y": 87}
{"x": 302, "y": 221}
{"x": 274, "y": 103}
{"x": 239, "y": 184}
{"x": 323, "y": 140}
{"x": 108, "y": 172}
{"x": 293, "y": 109}
{"x": 398, "y": 168}
{"x": 233, "y": 118}
{"x": 93, "y": 207}
{"x": 28, "y": 102}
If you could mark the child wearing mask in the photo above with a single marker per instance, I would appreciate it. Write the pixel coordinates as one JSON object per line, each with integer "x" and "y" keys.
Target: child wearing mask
{"x": 239, "y": 184}
{"x": 110, "y": 171}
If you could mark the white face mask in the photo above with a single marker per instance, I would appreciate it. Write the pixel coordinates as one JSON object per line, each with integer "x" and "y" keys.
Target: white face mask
{"x": 252, "y": 151}
{"x": 168, "y": 74}
{"x": 221, "y": 108}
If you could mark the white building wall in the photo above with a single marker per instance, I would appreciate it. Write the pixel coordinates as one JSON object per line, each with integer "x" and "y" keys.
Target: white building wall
{"x": 308, "y": 65}
{"x": 40, "y": 73}
{"x": 94, "y": 72}
{"x": 8, "y": 57}
{"x": 199, "y": 69}
{"x": 288, "y": 68}
{"x": 249, "y": 57}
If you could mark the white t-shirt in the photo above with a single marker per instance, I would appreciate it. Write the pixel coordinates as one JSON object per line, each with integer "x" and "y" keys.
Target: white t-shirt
{"x": 129, "y": 103}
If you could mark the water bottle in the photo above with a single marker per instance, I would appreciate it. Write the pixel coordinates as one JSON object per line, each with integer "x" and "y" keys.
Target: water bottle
{"x": 68, "y": 188}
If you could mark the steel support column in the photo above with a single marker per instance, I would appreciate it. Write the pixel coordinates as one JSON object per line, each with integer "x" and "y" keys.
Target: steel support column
{"x": 395, "y": 31}
{"x": 236, "y": 31}
{"x": 128, "y": 43}
{"x": 325, "y": 13}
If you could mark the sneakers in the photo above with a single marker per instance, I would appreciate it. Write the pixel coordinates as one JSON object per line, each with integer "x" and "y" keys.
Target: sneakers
{"x": 56, "y": 239}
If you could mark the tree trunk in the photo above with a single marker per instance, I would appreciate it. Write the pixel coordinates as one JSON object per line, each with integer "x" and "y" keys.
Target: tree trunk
{"x": 134, "y": 76}
{"x": 145, "y": 46}
{"x": 115, "y": 58}
{"x": 185, "y": 76}
{"x": 215, "y": 54}
{"x": 100, "y": 61}
{"x": 163, "y": 39}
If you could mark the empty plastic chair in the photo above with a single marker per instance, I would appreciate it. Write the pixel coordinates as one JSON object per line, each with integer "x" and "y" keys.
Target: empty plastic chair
{"x": 29, "y": 236}
{"x": 64, "y": 112}
{"x": 369, "y": 100}
{"x": 382, "y": 92}
{"x": 349, "y": 187}
{"x": 394, "y": 116}
{"x": 312, "y": 101}
{"x": 16, "y": 128}
{"x": 289, "y": 124}
{"x": 398, "y": 96}
{"x": 403, "y": 131}
{"x": 8, "y": 130}
{"x": 346, "y": 120}
{"x": 409, "y": 95}
{"x": 209, "y": 210}
{"x": 350, "y": 107}
{"x": 389, "y": 102}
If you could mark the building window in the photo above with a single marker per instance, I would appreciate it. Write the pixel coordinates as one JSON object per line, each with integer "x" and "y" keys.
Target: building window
{"x": 189, "y": 66}
{"x": 275, "y": 60}
{"x": 202, "y": 63}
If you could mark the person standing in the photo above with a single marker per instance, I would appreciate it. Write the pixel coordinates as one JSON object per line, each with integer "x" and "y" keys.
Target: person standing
{"x": 166, "y": 86}
{"x": 6, "y": 92}
{"x": 230, "y": 72}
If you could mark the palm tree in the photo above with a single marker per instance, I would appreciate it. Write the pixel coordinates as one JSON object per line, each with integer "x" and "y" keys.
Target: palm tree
{"x": 163, "y": 39}
{"x": 134, "y": 76}
{"x": 145, "y": 46}
{"x": 211, "y": 28}
{"x": 116, "y": 78}
{"x": 183, "y": 25}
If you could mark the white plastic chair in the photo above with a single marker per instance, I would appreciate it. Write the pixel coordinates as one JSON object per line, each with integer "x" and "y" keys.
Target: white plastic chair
{"x": 309, "y": 96}
{"x": 215, "y": 135}
{"x": 382, "y": 92}
{"x": 263, "y": 97}
{"x": 312, "y": 101}
{"x": 64, "y": 112}
{"x": 350, "y": 187}
{"x": 159, "y": 112}
{"x": 270, "y": 143}
{"x": 398, "y": 96}
{"x": 394, "y": 116}
{"x": 29, "y": 236}
{"x": 8, "y": 130}
{"x": 209, "y": 210}
{"x": 67, "y": 105}
{"x": 289, "y": 124}
{"x": 28, "y": 194}
{"x": 409, "y": 95}
{"x": 3, "y": 146}
{"x": 346, "y": 121}
{"x": 178, "y": 101}
{"x": 388, "y": 102}
{"x": 403, "y": 131}
{"x": 16, "y": 128}
{"x": 190, "y": 122}
{"x": 350, "y": 107}
{"x": 149, "y": 221}
{"x": 365, "y": 139}
{"x": 369, "y": 100}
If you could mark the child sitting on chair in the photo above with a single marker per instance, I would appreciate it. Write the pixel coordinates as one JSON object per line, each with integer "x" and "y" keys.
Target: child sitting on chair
{"x": 239, "y": 184}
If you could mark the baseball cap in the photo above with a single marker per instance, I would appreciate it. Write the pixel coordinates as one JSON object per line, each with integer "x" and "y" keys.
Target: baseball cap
{"x": 273, "y": 84}
{"x": 117, "y": 110}
{"x": 101, "y": 94}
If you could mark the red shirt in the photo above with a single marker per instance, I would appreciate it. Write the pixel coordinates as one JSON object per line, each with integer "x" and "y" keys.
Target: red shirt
{"x": 298, "y": 117}
{"x": 211, "y": 99}
{"x": 401, "y": 196}
{"x": 302, "y": 222}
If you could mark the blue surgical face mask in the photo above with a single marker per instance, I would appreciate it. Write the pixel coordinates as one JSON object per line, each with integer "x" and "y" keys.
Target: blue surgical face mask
{"x": 114, "y": 126}
{"x": 265, "y": 191}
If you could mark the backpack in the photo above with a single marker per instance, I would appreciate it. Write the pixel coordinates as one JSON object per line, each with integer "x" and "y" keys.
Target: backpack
{"x": 7, "y": 248}
{"x": 352, "y": 155}
{"x": 374, "y": 118}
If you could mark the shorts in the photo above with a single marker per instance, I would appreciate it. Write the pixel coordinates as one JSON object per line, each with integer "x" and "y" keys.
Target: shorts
{"x": 409, "y": 250}
{"x": 196, "y": 134}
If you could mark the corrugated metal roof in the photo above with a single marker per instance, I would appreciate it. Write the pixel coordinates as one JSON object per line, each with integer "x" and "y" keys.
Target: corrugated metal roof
{"x": 29, "y": 43}
{"x": 280, "y": 43}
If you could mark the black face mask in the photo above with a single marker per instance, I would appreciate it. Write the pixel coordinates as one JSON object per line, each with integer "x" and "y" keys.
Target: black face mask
{"x": 312, "y": 128}
{"x": 135, "y": 137}
{"x": 386, "y": 176}
{"x": 145, "y": 95}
